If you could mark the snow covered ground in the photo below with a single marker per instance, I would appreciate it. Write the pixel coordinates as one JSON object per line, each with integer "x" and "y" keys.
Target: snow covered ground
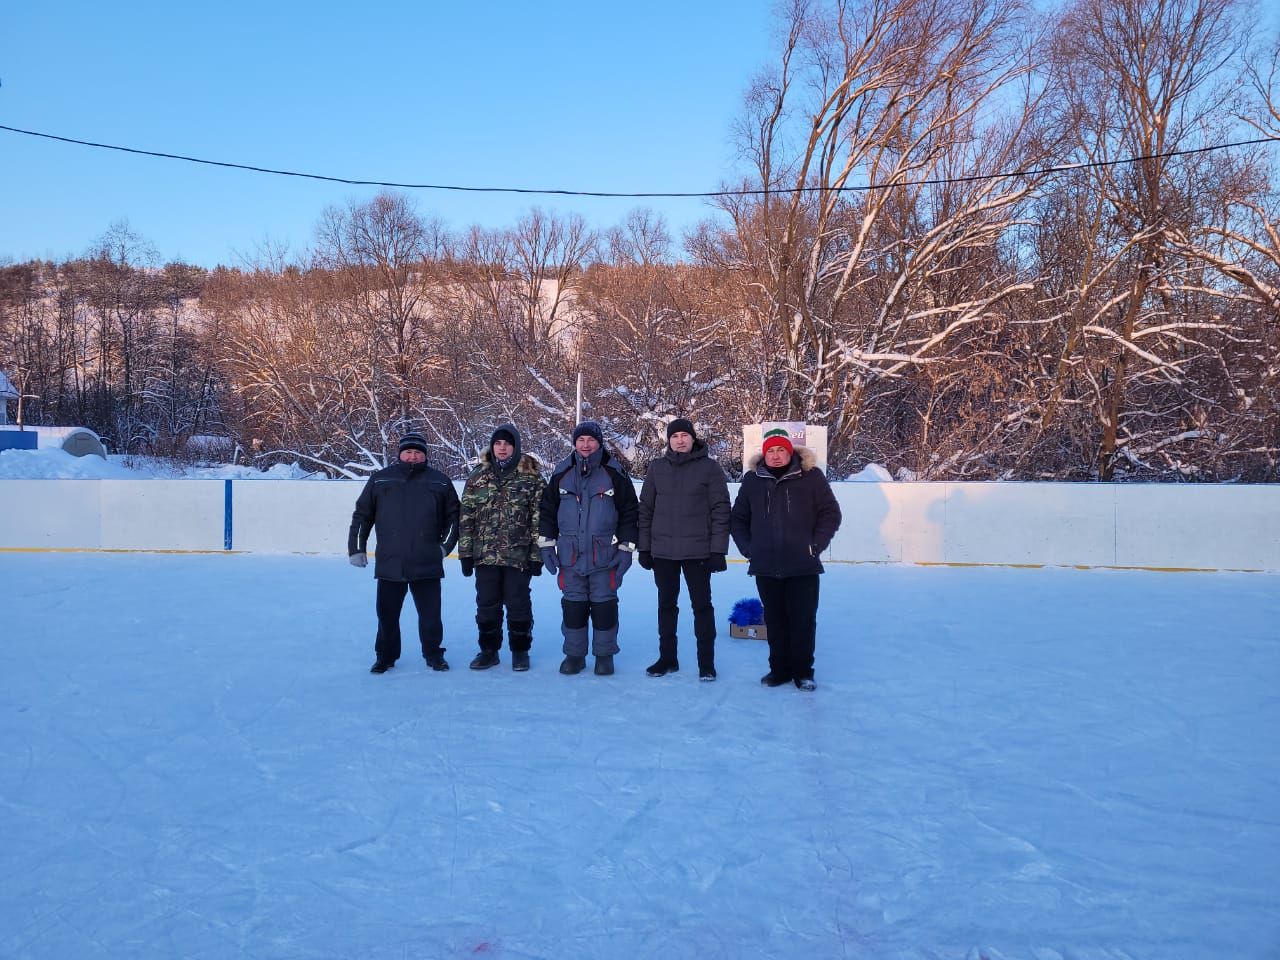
{"x": 1041, "y": 764}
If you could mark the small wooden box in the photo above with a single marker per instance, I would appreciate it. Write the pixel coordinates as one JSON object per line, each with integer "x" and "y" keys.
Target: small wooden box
{"x": 748, "y": 631}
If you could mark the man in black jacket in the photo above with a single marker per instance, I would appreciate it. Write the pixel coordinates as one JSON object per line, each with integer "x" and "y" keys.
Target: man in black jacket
{"x": 684, "y": 528}
{"x": 783, "y": 518}
{"x": 414, "y": 510}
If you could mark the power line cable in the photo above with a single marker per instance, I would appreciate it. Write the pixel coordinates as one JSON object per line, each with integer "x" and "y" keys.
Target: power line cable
{"x": 767, "y": 191}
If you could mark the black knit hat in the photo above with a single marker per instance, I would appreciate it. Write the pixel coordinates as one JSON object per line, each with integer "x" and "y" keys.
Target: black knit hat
{"x": 588, "y": 428}
{"x": 413, "y": 441}
{"x": 680, "y": 425}
{"x": 509, "y": 433}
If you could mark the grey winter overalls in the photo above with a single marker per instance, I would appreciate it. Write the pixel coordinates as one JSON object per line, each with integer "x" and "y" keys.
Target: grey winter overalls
{"x": 587, "y": 547}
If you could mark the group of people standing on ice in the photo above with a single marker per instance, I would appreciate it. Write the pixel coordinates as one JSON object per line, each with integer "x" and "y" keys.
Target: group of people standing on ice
{"x": 586, "y": 526}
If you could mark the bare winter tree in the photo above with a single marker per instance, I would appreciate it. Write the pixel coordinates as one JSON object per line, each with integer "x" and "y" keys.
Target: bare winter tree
{"x": 304, "y": 371}
{"x": 121, "y": 292}
{"x": 1239, "y": 241}
{"x": 510, "y": 302}
{"x": 873, "y": 255}
{"x": 383, "y": 251}
{"x": 27, "y": 356}
{"x": 652, "y": 349}
{"x": 1140, "y": 79}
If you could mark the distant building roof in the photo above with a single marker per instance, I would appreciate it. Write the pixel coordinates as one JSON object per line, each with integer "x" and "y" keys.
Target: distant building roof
{"x": 6, "y": 388}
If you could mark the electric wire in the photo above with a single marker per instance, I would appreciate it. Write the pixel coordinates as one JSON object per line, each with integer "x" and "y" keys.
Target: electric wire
{"x": 706, "y": 194}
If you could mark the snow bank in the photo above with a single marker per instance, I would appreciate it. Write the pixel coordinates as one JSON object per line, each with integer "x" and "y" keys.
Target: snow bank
{"x": 872, "y": 473}
{"x": 50, "y": 463}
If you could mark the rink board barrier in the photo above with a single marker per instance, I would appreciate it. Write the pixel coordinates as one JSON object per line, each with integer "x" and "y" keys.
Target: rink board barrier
{"x": 1150, "y": 526}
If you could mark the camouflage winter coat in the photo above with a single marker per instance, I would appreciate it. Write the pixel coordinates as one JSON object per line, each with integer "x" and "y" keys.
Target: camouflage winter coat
{"x": 498, "y": 525}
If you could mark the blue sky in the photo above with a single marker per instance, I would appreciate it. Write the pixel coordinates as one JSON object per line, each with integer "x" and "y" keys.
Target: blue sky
{"x": 568, "y": 95}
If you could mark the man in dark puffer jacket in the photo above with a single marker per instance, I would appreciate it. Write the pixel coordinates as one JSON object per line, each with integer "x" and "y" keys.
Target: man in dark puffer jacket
{"x": 783, "y": 518}
{"x": 414, "y": 510}
{"x": 684, "y": 528}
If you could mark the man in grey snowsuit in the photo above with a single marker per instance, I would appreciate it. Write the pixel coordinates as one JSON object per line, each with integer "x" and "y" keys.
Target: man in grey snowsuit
{"x": 587, "y": 531}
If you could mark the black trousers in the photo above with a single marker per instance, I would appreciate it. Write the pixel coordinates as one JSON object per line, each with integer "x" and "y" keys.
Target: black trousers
{"x": 498, "y": 587}
{"x": 791, "y": 618}
{"x": 697, "y": 575}
{"x": 426, "y": 598}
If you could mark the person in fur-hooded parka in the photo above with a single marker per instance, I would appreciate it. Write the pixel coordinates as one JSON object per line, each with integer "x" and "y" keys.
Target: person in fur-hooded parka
{"x": 782, "y": 519}
{"x": 498, "y": 542}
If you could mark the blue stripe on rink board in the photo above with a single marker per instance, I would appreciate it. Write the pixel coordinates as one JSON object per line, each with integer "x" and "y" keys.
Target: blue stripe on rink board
{"x": 226, "y": 523}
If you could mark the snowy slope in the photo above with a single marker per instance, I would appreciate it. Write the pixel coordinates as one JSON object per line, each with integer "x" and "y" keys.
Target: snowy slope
{"x": 1052, "y": 765}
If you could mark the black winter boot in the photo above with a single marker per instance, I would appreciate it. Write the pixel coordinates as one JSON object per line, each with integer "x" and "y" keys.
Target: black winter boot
{"x": 772, "y": 679}
{"x": 382, "y": 666}
{"x": 572, "y": 665}
{"x": 604, "y": 665}
{"x": 706, "y": 674}
{"x": 485, "y": 659}
{"x": 520, "y": 639}
{"x": 662, "y": 666}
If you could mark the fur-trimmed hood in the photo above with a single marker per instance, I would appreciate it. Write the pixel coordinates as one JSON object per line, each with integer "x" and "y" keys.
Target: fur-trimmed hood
{"x": 808, "y": 459}
{"x": 528, "y": 462}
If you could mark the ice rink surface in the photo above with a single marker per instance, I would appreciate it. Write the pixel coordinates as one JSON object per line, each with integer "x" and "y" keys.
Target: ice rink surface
{"x": 997, "y": 763}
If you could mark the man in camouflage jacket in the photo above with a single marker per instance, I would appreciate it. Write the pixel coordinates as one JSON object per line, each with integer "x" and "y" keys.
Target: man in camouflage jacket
{"x": 498, "y": 541}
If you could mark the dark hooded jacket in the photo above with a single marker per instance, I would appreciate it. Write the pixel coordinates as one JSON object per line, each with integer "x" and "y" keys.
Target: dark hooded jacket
{"x": 498, "y": 525}
{"x": 589, "y": 506}
{"x": 414, "y": 510}
{"x": 684, "y": 506}
{"x": 782, "y": 524}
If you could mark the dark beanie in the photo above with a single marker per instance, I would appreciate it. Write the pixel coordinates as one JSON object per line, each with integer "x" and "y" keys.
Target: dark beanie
{"x": 413, "y": 441}
{"x": 509, "y": 433}
{"x": 680, "y": 425}
{"x": 588, "y": 428}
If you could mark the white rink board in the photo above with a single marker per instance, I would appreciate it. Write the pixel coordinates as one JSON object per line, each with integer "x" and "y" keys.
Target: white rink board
{"x": 50, "y": 514}
{"x": 161, "y": 514}
{"x": 1156, "y": 526}
{"x": 1203, "y": 527}
{"x": 1060, "y": 524}
{"x": 293, "y": 516}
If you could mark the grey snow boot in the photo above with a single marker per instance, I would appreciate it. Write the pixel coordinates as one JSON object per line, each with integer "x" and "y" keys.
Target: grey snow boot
{"x": 571, "y": 665}
{"x": 604, "y": 665}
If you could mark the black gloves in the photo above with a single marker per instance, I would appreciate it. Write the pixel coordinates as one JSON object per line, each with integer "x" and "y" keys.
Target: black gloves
{"x": 468, "y": 565}
{"x": 716, "y": 563}
{"x": 534, "y": 568}
{"x": 646, "y": 559}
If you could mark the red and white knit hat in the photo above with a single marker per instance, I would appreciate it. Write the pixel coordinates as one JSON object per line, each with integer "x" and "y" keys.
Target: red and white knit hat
{"x": 777, "y": 438}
